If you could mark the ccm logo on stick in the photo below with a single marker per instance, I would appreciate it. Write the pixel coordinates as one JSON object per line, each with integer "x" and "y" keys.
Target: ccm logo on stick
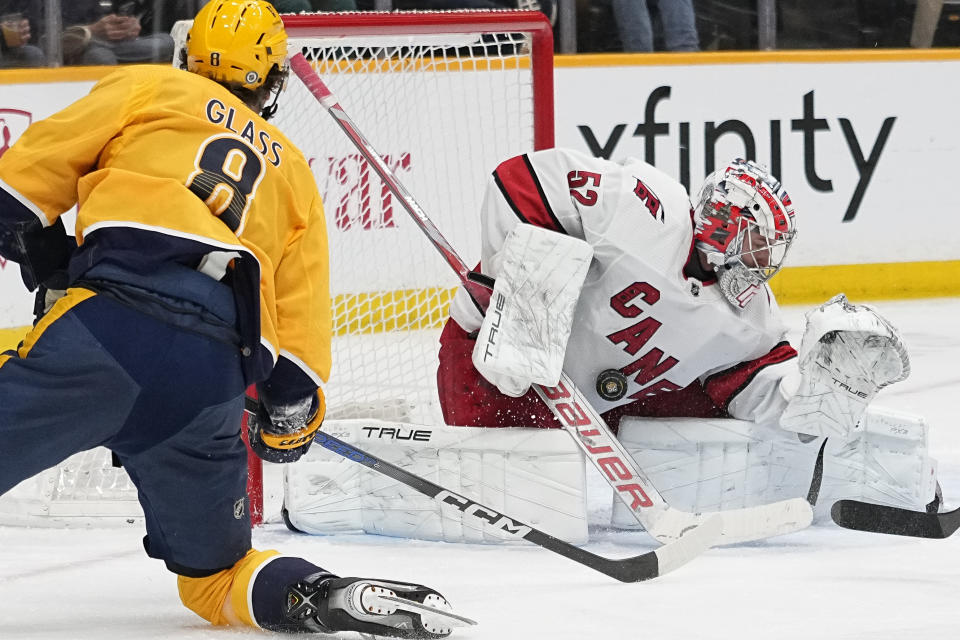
{"x": 574, "y": 416}
{"x": 498, "y": 520}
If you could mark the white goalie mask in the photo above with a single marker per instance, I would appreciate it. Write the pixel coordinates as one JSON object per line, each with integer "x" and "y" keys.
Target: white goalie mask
{"x": 744, "y": 225}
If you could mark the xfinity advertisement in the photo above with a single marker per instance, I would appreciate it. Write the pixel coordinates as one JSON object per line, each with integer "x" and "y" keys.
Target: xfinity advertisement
{"x": 865, "y": 149}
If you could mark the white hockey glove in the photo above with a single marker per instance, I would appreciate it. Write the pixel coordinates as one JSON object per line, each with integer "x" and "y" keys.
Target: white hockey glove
{"x": 524, "y": 335}
{"x": 849, "y": 352}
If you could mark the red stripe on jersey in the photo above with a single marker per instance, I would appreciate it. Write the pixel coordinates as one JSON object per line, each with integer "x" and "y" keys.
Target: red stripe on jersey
{"x": 522, "y": 190}
{"x": 723, "y": 387}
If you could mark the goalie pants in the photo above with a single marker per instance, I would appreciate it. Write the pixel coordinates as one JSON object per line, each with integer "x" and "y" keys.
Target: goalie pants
{"x": 467, "y": 399}
{"x": 168, "y": 400}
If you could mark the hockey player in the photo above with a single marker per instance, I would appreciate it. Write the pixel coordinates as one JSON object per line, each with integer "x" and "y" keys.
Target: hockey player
{"x": 675, "y": 299}
{"x": 661, "y": 314}
{"x": 201, "y": 268}
{"x": 671, "y": 316}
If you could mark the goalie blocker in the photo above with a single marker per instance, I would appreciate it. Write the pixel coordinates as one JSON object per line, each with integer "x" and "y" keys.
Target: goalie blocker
{"x": 523, "y": 337}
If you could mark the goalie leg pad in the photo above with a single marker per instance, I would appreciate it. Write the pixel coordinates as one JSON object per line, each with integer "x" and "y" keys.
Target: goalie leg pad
{"x": 889, "y": 464}
{"x": 535, "y": 475}
{"x": 713, "y": 465}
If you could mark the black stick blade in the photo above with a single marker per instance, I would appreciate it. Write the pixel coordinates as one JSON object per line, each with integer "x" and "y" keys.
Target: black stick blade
{"x": 875, "y": 518}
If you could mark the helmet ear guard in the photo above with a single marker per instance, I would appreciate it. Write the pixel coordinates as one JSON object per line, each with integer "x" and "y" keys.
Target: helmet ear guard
{"x": 744, "y": 226}
{"x": 274, "y": 84}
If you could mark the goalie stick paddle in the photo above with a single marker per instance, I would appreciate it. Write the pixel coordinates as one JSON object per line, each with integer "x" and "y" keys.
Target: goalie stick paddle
{"x": 579, "y": 419}
{"x": 876, "y": 518}
{"x": 645, "y": 566}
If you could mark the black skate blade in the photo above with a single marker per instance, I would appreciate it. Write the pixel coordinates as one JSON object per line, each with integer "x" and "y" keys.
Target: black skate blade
{"x": 875, "y": 518}
{"x": 454, "y": 619}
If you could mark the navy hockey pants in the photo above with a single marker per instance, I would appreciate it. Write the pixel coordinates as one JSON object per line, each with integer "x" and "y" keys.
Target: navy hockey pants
{"x": 167, "y": 401}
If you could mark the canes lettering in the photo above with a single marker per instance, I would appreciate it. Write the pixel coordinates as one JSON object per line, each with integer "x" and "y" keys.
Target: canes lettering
{"x": 651, "y": 365}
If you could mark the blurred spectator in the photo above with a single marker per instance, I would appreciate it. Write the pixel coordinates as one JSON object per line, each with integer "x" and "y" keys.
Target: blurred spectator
{"x": 16, "y": 34}
{"x": 109, "y": 32}
{"x": 636, "y": 27}
{"x": 548, "y": 7}
{"x": 444, "y": 5}
{"x": 728, "y": 24}
{"x": 333, "y": 5}
{"x": 291, "y": 6}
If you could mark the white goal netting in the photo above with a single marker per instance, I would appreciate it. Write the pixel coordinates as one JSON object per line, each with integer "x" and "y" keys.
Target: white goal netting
{"x": 443, "y": 97}
{"x": 442, "y": 109}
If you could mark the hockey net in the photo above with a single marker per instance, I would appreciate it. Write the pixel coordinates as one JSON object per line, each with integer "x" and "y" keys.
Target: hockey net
{"x": 443, "y": 97}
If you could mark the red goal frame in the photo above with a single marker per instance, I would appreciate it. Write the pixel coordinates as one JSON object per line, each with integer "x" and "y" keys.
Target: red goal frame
{"x": 534, "y": 23}
{"x": 427, "y": 22}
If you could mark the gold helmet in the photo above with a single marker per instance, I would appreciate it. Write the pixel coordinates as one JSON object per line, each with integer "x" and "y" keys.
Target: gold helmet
{"x": 236, "y": 42}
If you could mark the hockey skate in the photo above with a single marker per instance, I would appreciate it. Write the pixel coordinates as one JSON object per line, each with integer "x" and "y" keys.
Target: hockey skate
{"x": 323, "y": 603}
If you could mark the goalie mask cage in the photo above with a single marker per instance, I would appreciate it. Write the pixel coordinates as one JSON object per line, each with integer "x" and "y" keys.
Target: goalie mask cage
{"x": 443, "y": 97}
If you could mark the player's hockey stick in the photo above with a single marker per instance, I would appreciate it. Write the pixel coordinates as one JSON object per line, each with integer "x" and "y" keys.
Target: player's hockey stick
{"x": 875, "y": 518}
{"x": 579, "y": 419}
{"x": 645, "y": 566}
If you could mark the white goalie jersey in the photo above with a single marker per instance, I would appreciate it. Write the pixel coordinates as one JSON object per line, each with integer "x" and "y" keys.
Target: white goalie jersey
{"x": 639, "y": 313}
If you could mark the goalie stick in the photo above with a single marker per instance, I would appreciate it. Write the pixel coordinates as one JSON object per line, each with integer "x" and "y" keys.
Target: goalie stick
{"x": 579, "y": 419}
{"x": 876, "y": 518}
{"x": 645, "y": 566}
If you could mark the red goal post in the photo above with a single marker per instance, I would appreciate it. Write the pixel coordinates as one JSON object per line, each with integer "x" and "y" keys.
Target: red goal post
{"x": 444, "y": 97}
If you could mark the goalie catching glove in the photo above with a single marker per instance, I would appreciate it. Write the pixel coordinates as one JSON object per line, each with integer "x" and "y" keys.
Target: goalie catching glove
{"x": 284, "y": 432}
{"x": 849, "y": 352}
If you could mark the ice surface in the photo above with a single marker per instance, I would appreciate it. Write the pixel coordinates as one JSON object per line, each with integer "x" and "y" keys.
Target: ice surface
{"x": 824, "y": 582}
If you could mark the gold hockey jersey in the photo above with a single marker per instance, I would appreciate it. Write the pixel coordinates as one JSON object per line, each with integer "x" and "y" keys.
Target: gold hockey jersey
{"x": 168, "y": 165}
